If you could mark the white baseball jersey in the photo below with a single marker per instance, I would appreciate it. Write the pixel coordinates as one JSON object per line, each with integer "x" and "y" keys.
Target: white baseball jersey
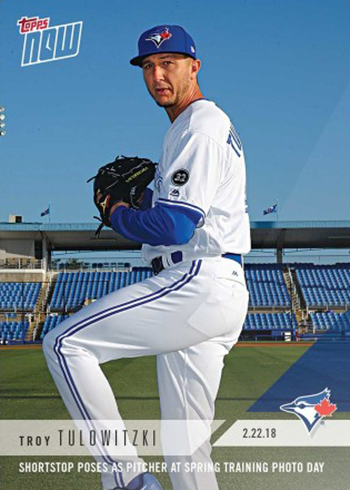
{"x": 189, "y": 315}
{"x": 202, "y": 168}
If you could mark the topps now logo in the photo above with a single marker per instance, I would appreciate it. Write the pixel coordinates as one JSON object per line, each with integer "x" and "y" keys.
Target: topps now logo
{"x": 43, "y": 43}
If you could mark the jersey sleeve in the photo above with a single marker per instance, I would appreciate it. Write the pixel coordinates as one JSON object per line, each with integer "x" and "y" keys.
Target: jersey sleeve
{"x": 146, "y": 202}
{"x": 160, "y": 225}
{"x": 192, "y": 174}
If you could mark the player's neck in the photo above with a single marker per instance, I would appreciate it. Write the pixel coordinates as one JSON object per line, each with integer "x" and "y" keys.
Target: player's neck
{"x": 175, "y": 111}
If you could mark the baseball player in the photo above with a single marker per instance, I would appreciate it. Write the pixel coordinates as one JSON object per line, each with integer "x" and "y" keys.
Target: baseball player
{"x": 194, "y": 228}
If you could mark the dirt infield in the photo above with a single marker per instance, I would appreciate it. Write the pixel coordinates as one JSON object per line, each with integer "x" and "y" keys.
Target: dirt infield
{"x": 21, "y": 347}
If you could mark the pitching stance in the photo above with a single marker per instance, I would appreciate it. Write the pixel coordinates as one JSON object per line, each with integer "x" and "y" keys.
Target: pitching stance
{"x": 194, "y": 228}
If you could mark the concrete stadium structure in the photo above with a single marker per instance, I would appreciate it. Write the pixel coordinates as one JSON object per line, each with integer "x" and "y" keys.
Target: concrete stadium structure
{"x": 37, "y": 241}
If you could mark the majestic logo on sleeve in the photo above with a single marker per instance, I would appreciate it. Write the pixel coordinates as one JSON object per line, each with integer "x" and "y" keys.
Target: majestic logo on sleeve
{"x": 175, "y": 193}
{"x": 311, "y": 408}
{"x": 43, "y": 43}
{"x": 159, "y": 37}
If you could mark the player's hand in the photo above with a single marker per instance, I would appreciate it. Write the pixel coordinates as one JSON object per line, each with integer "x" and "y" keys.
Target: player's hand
{"x": 116, "y": 205}
{"x": 122, "y": 203}
{"x": 140, "y": 199}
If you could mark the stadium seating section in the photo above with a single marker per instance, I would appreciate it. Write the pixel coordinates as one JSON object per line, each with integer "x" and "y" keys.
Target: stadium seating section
{"x": 13, "y": 330}
{"x": 72, "y": 289}
{"x": 320, "y": 288}
{"x": 51, "y": 321}
{"x": 266, "y": 285}
{"x": 14, "y": 295}
{"x": 331, "y": 321}
{"x": 270, "y": 321}
{"x": 325, "y": 285}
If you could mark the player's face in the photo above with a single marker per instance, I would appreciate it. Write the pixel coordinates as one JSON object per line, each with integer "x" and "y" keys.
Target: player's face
{"x": 169, "y": 77}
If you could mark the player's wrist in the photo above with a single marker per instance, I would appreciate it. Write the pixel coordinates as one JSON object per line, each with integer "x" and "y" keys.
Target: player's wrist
{"x": 118, "y": 205}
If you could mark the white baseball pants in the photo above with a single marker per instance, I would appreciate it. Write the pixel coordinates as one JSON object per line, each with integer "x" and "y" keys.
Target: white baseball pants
{"x": 189, "y": 316}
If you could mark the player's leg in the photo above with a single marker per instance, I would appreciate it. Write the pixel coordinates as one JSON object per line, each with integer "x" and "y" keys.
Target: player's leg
{"x": 143, "y": 319}
{"x": 188, "y": 384}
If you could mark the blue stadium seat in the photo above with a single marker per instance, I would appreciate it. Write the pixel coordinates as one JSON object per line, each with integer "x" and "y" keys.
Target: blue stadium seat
{"x": 266, "y": 285}
{"x": 331, "y": 321}
{"x": 16, "y": 296}
{"x": 324, "y": 285}
{"x": 13, "y": 330}
{"x": 73, "y": 289}
{"x": 270, "y": 321}
{"x": 51, "y": 321}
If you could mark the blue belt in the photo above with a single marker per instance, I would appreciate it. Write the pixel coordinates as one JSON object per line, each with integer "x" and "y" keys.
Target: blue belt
{"x": 176, "y": 257}
{"x": 235, "y": 257}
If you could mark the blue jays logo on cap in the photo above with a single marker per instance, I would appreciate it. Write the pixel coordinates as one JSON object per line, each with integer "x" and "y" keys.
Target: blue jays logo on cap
{"x": 164, "y": 39}
{"x": 159, "y": 37}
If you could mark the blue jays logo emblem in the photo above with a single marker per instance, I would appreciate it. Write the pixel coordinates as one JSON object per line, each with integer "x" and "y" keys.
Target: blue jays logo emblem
{"x": 159, "y": 37}
{"x": 311, "y": 408}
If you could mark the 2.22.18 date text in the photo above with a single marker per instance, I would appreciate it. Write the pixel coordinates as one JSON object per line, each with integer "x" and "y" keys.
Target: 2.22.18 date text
{"x": 259, "y": 433}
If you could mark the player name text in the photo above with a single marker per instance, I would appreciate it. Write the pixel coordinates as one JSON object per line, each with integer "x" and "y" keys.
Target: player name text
{"x": 104, "y": 437}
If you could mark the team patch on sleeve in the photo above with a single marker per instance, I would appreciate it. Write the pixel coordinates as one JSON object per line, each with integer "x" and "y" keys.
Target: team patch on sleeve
{"x": 180, "y": 177}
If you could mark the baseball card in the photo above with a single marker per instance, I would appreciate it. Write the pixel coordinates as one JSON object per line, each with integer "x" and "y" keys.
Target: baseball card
{"x": 174, "y": 245}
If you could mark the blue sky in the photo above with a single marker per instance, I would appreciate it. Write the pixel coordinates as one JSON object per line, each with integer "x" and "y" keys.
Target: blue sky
{"x": 279, "y": 69}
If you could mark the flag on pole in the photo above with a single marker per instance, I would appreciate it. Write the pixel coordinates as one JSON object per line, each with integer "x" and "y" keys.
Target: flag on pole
{"x": 47, "y": 211}
{"x": 271, "y": 209}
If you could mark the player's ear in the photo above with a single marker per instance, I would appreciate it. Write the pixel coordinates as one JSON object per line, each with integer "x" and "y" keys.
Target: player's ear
{"x": 195, "y": 67}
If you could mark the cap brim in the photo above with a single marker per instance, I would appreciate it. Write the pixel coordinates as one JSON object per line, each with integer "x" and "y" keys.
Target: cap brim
{"x": 137, "y": 61}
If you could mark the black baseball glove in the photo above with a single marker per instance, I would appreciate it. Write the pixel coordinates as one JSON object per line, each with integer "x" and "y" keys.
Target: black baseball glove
{"x": 125, "y": 179}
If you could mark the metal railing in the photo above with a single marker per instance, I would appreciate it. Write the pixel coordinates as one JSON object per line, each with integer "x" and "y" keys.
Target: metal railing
{"x": 22, "y": 263}
{"x": 89, "y": 264}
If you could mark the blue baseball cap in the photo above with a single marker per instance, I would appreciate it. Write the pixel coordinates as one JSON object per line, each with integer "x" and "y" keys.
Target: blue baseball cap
{"x": 164, "y": 39}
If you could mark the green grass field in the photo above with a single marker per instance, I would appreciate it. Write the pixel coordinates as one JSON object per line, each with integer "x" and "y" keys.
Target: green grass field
{"x": 28, "y": 392}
